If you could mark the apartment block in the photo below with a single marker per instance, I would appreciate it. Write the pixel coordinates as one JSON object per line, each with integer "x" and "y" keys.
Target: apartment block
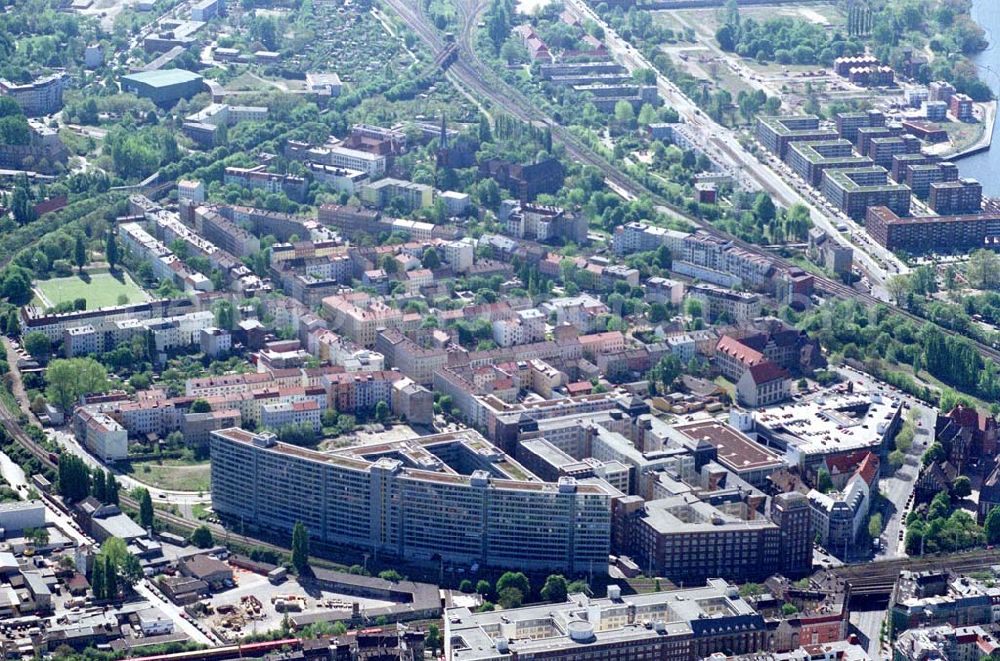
{"x": 640, "y": 237}
{"x": 839, "y": 516}
{"x": 853, "y": 191}
{"x": 945, "y": 642}
{"x": 214, "y": 341}
{"x": 869, "y": 133}
{"x": 190, "y": 191}
{"x": 881, "y": 150}
{"x": 282, "y": 225}
{"x": 359, "y": 320}
{"x": 389, "y": 499}
{"x": 941, "y": 90}
{"x": 415, "y": 361}
{"x": 104, "y": 335}
{"x": 719, "y": 262}
{"x": 278, "y": 415}
{"x": 270, "y": 182}
{"x": 848, "y": 123}
{"x": 936, "y": 598}
{"x": 955, "y": 198}
{"x": 582, "y": 312}
{"x": 166, "y": 265}
{"x": 919, "y": 177}
{"x": 664, "y": 290}
{"x": 53, "y": 325}
{"x": 198, "y": 427}
{"x": 412, "y": 196}
{"x": 961, "y": 107}
{"x": 718, "y": 302}
{"x": 101, "y": 434}
{"x": 459, "y": 255}
{"x": 810, "y": 159}
{"x": 224, "y": 233}
{"x": 412, "y": 402}
{"x": 918, "y": 235}
{"x": 937, "y": 111}
{"x": 901, "y": 163}
{"x": 42, "y": 96}
{"x": 777, "y": 133}
{"x": 831, "y": 254}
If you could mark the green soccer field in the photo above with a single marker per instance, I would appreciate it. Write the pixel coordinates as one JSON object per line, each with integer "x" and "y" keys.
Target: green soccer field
{"x": 101, "y": 289}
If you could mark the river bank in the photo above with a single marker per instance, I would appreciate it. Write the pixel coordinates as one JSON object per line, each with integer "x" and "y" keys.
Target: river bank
{"x": 984, "y": 163}
{"x": 985, "y": 141}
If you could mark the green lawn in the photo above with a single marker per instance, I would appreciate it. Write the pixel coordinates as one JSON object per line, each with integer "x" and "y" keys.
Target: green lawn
{"x": 726, "y": 385}
{"x": 172, "y": 475}
{"x": 101, "y": 289}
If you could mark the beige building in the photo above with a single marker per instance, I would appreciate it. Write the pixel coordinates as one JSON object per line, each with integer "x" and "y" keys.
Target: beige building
{"x": 359, "y": 317}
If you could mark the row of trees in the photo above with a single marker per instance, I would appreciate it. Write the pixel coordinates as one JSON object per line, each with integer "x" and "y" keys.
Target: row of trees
{"x": 885, "y": 340}
{"x": 786, "y": 40}
{"x": 77, "y": 481}
{"x": 513, "y": 588}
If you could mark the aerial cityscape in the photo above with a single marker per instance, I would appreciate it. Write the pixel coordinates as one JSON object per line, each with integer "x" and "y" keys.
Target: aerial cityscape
{"x": 499, "y": 330}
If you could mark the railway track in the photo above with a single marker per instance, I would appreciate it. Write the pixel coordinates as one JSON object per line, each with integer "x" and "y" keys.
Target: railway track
{"x": 9, "y": 422}
{"x": 880, "y": 576}
{"x": 476, "y": 75}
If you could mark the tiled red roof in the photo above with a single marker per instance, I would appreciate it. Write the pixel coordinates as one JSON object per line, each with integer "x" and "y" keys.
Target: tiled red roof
{"x": 607, "y": 336}
{"x": 845, "y": 463}
{"x": 741, "y": 352}
{"x": 868, "y": 470}
{"x": 969, "y": 417}
{"x": 766, "y": 372}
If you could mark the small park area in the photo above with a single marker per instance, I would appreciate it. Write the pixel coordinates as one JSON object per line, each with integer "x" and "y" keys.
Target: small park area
{"x": 100, "y": 289}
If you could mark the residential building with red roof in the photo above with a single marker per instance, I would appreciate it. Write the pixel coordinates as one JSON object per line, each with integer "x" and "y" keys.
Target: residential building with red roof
{"x": 763, "y": 384}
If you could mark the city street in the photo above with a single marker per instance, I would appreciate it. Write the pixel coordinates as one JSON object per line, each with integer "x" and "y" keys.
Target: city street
{"x": 869, "y": 624}
{"x": 898, "y": 487}
{"x": 722, "y": 144}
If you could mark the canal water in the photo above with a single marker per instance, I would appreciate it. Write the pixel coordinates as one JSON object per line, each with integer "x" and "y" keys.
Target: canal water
{"x": 985, "y": 166}
{"x": 11, "y": 473}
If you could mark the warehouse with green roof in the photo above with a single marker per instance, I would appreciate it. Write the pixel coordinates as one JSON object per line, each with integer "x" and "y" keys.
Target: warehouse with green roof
{"x": 163, "y": 87}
